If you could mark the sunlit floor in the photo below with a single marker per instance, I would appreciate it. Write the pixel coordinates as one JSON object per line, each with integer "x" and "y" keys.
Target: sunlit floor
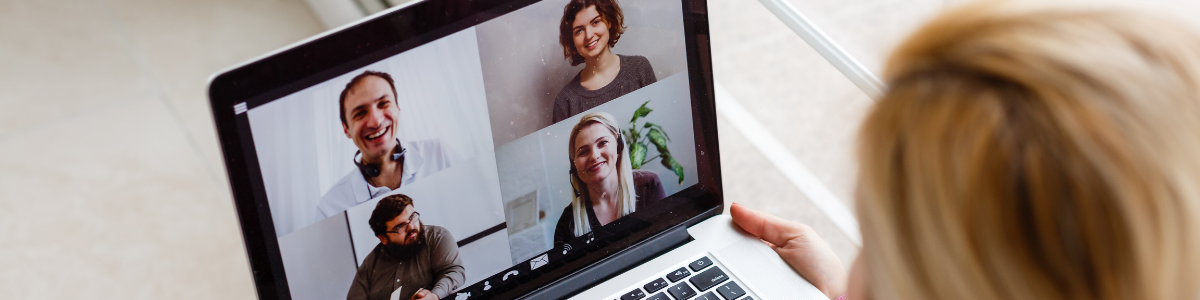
{"x": 112, "y": 186}
{"x": 111, "y": 183}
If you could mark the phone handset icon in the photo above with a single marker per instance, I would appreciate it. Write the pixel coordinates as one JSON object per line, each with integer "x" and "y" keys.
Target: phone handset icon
{"x": 510, "y": 273}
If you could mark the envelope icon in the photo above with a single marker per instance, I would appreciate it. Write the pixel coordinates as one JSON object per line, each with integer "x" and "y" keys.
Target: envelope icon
{"x": 539, "y": 261}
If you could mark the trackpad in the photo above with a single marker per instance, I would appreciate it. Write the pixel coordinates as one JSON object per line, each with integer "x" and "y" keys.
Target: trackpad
{"x": 761, "y": 269}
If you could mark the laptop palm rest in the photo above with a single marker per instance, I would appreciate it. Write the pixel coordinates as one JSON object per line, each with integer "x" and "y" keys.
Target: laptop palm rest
{"x": 761, "y": 269}
{"x": 745, "y": 256}
{"x": 751, "y": 260}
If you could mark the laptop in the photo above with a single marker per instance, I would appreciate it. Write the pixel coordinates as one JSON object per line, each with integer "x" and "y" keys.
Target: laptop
{"x": 490, "y": 149}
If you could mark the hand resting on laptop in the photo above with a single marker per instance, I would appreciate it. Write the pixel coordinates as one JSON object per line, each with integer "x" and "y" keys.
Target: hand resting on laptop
{"x": 798, "y": 245}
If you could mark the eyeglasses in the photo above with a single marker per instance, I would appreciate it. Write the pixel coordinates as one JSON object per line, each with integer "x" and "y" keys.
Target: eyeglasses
{"x": 413, "y": 219}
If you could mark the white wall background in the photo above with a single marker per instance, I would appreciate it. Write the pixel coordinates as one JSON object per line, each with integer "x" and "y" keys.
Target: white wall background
{"x": 524, "y": 68}
{"x": 303, "y": 150}
{"x": 318, "y": 260}
{"x": 540, "y": 162}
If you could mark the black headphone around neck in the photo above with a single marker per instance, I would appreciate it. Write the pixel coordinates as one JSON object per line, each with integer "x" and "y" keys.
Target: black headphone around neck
{"x": 573, "y": 172}
{"x": 372, "y": 170}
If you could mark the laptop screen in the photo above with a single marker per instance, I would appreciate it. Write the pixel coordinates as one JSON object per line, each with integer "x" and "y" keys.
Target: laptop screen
{"x": 531, "y": 142}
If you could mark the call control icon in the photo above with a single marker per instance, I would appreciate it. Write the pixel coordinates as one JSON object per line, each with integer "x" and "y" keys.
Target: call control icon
{"x": 539, "y": 261}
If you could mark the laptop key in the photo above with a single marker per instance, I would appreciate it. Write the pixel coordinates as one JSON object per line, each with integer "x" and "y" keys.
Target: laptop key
{"x": 634, "y": 295}
{"x": 731, "y": 291}
{"x": 707, "y": 279}
{"x": 708, "y": 296}
{"x": 700, "y": 264}
{"x": 678, "y": 275}
{"x": 659, "y": 296}
{"x": 655, "y": 285}
{"x": 681, "y": 291}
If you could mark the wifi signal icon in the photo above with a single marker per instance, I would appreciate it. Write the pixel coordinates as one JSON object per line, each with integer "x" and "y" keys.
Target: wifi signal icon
{"x": 566, "y": 247}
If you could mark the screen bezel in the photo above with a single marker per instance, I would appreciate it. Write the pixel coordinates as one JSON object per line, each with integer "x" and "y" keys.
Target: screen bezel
{"x": 390, "y": 33}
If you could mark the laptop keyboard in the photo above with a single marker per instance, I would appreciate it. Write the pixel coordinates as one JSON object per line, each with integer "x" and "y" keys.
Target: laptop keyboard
{"x": 699, "y": 280}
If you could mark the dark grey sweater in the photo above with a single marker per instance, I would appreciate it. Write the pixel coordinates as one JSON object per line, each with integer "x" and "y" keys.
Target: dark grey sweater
{"x": 573, "y": 99}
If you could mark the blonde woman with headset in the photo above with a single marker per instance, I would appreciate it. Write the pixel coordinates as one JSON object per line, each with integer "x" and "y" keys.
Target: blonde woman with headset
{"x": 1024, "y": 151}
{"x": 605, "y": 185}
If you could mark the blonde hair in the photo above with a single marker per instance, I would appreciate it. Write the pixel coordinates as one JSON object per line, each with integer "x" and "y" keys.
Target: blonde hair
{"x": 1035, "y": 151}
{"x": 627, "y": 199}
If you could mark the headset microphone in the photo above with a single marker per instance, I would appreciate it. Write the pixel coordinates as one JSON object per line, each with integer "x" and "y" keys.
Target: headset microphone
{"x": 373, "y": 170}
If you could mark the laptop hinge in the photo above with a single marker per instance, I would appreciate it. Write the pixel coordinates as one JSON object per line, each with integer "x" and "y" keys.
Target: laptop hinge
{"x": 622, "y": 261}
{"x": 613, "y": 265}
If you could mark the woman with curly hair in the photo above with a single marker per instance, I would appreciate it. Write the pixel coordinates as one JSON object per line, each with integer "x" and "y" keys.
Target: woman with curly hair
{"x": 587, "y": 33}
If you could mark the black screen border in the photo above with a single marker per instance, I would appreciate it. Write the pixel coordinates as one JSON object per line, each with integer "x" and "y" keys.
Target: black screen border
{"x": 390, "y": 33}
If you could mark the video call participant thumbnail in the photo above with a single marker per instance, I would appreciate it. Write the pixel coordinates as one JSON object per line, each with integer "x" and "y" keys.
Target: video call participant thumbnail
{"x": 410, "y": 257}
{"x": 369, "y": 116}
{"x": 587, "y": 33}
{"x": 606, "y": 186}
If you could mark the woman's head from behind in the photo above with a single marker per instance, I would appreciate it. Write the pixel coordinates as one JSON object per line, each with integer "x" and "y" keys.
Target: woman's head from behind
{"x": 589, "y": 27}
{"x": 597, "y": 154}
{"x": 1028, "y": 151}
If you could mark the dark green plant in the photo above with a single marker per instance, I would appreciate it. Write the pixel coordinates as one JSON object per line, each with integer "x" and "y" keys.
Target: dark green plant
{"x": 641, "y": 137}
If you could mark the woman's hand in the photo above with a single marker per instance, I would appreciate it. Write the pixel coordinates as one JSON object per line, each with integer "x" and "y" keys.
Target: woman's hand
{"x": 798, "y": 245}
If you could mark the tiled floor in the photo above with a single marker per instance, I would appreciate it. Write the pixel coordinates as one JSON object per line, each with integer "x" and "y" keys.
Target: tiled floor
{"x": 112, "y": 187}
{"x": 111, "y": 184}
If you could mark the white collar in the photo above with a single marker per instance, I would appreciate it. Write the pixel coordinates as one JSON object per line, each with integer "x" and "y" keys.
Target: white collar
{"x": 413, "y": 160}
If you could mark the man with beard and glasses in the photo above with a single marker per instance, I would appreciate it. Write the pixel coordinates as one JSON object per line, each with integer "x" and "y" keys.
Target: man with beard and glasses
{"x": 412, "y": 260}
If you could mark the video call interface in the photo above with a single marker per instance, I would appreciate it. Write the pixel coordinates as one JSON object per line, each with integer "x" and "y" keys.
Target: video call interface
{"x": 453, "y": 167}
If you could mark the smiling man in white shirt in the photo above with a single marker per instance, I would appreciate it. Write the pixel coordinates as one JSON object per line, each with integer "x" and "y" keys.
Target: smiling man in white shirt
{"x": 369, "y": 118}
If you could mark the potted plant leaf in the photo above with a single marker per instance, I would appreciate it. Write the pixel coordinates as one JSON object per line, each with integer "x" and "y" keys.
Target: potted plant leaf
{"x": 640, "y": 138}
